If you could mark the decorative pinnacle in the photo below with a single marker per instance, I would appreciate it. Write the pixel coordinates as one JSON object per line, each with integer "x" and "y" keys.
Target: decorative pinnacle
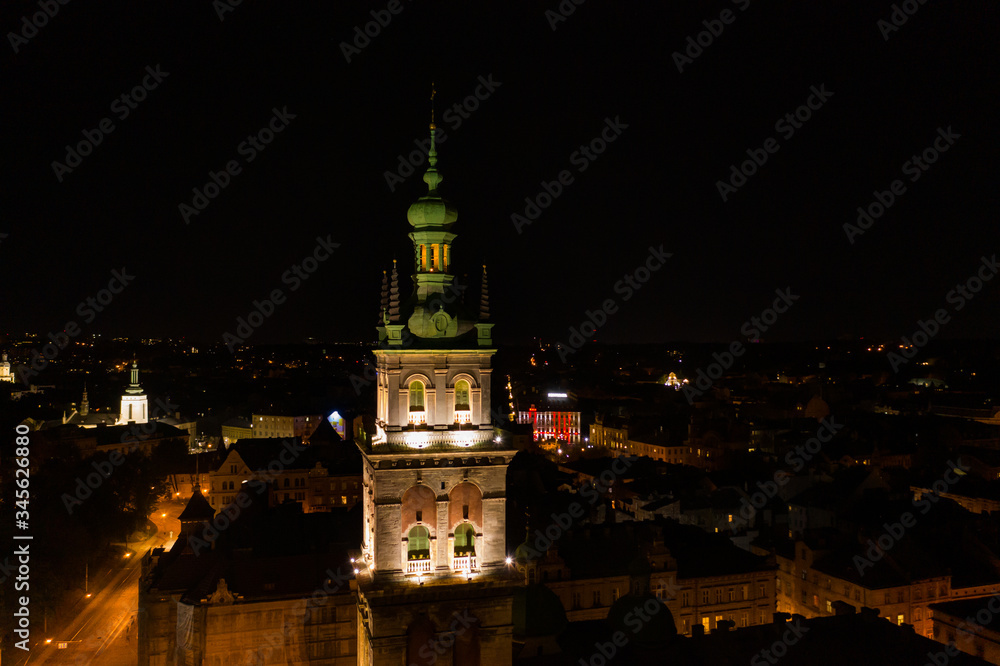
{"x": 394, "y": 295}
{"x": 384, "y": 302}
{"x": 484, "y": 300}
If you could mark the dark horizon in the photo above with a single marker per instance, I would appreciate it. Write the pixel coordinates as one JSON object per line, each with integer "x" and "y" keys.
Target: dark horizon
{"x": 875, "y": 97}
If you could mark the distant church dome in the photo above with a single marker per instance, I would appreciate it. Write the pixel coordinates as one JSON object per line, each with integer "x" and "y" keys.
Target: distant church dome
{"x": 524, "y": 553}
{"x": 537, "y": 611}
{"x": 644, "y": 619}
{"x": 817, "y": 408}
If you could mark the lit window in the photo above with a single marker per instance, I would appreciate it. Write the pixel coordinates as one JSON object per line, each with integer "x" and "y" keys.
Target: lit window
{"x": 416, "y": 395}
{"x": 418, "y": 543}
{"x": 465, "y": 540}
{"x": 461, "y": 395}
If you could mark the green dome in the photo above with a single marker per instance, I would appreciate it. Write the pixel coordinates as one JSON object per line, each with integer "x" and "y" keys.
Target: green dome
{"x": 431, "y": 211}
{"x": 644, "y": 619}
{"x": 525, "y": 552}
{"x": 537, "y": 611}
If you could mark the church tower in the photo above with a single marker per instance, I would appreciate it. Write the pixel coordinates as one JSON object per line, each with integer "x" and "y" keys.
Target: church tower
{"x": 434, "y": 586}
{"x": 134, "y": 402}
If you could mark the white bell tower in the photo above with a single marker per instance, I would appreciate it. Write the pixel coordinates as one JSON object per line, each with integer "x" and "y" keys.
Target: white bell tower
{"x": 135, "y": 406}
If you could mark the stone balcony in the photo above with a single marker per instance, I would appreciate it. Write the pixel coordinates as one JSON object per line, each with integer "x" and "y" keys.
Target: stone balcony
{"x": 418, "y": 566}
{"x": 464, "y": 563}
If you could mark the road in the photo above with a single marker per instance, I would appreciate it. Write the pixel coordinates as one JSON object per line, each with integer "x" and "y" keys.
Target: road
{"x": 104, "y": 631}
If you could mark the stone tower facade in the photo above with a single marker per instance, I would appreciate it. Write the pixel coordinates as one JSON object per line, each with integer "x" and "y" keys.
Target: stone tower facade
{"x": 434, "y": 586}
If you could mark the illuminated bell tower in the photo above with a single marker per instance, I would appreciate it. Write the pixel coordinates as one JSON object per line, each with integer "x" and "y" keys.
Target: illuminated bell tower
{"x": 134, "y": 403}
{"x": 433, "y": 550}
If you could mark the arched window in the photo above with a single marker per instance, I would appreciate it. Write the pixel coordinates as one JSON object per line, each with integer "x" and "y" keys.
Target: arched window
{"x": 416, "y": 396}
{"x": 465, "y": 540}
{"x": 461, "y": 395}
{"x": 418, "y": 543}
{"x": 419, "y": 635}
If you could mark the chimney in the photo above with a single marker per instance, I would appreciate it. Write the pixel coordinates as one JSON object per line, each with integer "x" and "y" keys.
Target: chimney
{"x": 843, "y": 608}
{"x": 869, "y": 614}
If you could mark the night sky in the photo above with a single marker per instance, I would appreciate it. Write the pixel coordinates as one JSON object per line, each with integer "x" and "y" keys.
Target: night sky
{"x": 324, "y": 176}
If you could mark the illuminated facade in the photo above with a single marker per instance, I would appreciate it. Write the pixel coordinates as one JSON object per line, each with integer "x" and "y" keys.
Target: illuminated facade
{"x": 236, "y": 429}
{"x": 434, "y": 470}
{"x": 5, "y": 375}
{"x": 610, "y": 432}
{"x": 266, "y": 426}
{"x": 559, "y": 425}
{"x": 807, "y": 585}
{"x": 135, "y": 405}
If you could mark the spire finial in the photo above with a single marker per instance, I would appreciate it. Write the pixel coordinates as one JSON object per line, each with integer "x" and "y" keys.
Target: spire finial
{"x": 432, "y": 153}
{"x": 433, "y": 93}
